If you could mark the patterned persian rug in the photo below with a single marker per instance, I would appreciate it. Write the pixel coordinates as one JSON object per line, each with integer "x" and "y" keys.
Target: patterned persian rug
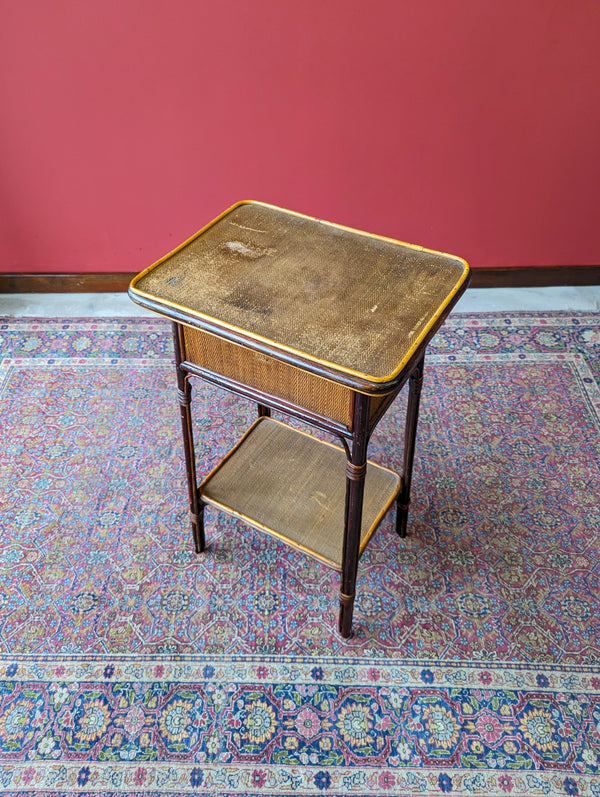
{"x": 129, "y": 665}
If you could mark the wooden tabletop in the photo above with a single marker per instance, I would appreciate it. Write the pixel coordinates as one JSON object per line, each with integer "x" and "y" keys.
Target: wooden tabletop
{"x": 314, "y": 292}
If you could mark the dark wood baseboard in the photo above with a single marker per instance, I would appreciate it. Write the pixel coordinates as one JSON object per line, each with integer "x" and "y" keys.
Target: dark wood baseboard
{"x": 94, "y": 282}
{"x": 534, "y": 276}
{"x": 118, "y": 281}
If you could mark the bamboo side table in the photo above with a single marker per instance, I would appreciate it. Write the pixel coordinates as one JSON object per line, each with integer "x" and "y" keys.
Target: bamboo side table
{"x": 323, "y": 323}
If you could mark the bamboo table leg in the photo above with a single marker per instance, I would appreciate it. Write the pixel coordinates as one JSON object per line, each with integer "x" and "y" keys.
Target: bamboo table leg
{"x": 184, "y": 391}
{"x": 356, "y": 471}
{"x": 412, "y": 417}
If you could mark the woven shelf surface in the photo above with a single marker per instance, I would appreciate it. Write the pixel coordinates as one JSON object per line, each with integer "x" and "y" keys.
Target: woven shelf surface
{"x": 293, "y": 486}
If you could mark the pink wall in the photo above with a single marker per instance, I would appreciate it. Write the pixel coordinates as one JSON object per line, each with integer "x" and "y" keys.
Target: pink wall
{"x": 468, "y": 126}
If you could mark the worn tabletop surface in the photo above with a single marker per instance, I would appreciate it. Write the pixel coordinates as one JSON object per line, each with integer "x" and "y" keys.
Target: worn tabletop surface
{"x": 359, "y": 303}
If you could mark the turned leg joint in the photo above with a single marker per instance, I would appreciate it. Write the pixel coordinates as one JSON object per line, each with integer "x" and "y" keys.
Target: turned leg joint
{"x": 356, "y": 473}
{"x": 198, "y": 531}
{"x": 345, "y": 616}
{"x": 402, "y": 518}
{"x": 417, "y": 380}
{"x": 347, "y": 600}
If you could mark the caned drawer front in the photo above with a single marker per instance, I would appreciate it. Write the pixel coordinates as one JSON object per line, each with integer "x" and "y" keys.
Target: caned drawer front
{"x": 269, "y": 375}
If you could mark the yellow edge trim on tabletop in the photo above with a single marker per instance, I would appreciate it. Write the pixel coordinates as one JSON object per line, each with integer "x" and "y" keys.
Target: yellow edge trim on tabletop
{"x": 290, "y": 349}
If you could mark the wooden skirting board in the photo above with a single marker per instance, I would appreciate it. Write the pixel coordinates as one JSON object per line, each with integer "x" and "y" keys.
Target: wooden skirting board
{"x": 534, "y": 276}
{"x": 118, "y": 281}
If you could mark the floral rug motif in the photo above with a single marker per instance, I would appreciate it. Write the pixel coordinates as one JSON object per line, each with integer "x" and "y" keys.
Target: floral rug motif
{"x": 129, "y": 665}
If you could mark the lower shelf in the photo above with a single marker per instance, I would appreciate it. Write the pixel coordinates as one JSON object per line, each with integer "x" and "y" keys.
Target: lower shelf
{"x": 293, "y": 486}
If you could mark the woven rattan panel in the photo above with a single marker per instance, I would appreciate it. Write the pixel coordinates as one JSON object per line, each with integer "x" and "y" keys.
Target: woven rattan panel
{"x": 264, "y": 373}
{"x": 357, "y": 302}
{"x": 294, "y": 486}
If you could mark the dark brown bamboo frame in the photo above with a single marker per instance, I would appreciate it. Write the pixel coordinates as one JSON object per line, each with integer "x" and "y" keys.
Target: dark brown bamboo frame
{"x": 355, "y": 441}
